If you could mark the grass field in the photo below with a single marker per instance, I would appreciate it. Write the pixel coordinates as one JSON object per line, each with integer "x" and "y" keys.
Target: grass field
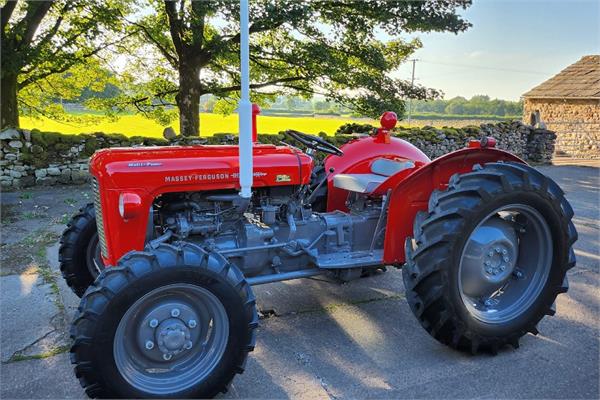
{"x": 136, "y": 125}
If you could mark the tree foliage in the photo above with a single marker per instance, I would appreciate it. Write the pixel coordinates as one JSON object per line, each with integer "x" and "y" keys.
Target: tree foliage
{"x": 333, "y": 48}
{"x": 47, "y": 50}
{"x": 476, "y": 105}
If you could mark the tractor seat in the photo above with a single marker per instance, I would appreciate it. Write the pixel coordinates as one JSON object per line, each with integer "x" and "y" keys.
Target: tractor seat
{"x": 382, "y": 169}
{"x": 387, "y": 167}
{"x": 360, "y": 183}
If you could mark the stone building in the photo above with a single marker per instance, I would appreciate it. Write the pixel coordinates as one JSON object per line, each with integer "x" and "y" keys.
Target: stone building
{"x": 569, "y": 104}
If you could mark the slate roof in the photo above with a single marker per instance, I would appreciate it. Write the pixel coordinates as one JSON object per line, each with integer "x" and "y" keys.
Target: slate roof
{"x": 578, "y": 81}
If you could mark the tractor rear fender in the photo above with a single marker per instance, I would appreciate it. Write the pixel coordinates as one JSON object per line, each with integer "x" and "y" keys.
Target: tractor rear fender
{"x": 411, "y": 191}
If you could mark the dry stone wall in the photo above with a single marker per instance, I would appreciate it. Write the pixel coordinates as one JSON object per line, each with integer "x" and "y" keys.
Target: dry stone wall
{"x": 576, "y": 123}
{"x": 29, "y": 158}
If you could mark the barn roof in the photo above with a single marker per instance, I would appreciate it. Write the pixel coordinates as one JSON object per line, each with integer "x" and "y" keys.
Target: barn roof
{"x": 578, "y": 81}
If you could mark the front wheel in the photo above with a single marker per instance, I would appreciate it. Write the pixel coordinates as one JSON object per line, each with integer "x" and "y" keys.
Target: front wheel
{"x": 489, "y": 257}
{"x": 171, "y": 322}
{"x": 79, "y": 252}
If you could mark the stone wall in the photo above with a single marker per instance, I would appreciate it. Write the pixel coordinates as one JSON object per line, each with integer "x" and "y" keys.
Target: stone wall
{"x": 531, "y": 144}
{"x": 30, "y": 158}
{"x": 576, "y": 123}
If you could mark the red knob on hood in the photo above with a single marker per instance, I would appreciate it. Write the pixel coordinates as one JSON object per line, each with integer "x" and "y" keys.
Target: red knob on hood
{"x": 388, "y": 120}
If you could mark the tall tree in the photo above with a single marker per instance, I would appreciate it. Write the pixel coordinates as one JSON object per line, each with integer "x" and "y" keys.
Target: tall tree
{"x": 41, "y": 39}
{"x": 330, "y": 47}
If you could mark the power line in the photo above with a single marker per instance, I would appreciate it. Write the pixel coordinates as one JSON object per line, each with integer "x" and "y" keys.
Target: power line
{"x": 522, "y": 71}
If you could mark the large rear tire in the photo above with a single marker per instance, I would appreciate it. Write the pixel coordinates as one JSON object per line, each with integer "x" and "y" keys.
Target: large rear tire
{"x": 170, "y": 322}
{"x": 490, "y": 256}
{"x": 79, "y": 252}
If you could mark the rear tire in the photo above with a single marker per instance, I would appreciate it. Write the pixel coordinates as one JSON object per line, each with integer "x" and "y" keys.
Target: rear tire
{"x": 79, "y": 252}
{"x": 109, "y": 360}
{"x": 438, "y": 255}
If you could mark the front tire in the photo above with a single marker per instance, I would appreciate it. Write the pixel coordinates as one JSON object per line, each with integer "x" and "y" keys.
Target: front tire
{"x": 490, "y": 256}
{"x": 79, "y": 252}
{"x": 170, "y": 322}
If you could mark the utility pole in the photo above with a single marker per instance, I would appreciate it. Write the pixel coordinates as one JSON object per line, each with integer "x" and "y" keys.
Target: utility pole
{"x": 412, "y": 84}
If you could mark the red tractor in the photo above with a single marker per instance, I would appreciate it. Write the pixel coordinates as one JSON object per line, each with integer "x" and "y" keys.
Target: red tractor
{"x": 484, "y": 242}
{"x": 177, "y": 236}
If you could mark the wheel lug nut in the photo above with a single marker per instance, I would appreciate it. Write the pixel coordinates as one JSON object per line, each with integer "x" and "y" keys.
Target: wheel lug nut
{"x": 491, "y": 253}
{"x": 504, "y": 252}
{"x": 167, "y": 357}
{"x": 488, "y": 263}
{"x": 149, "y": 344}
{"x": 502, "y": 267}
{"x": 188, "y": 345}
{"x": 505, "y": 259}
{"x": 175, "y": 313}
{"x": 153, "y": 323}
{"x": 192, "y": 323}
{"x": 497, "y": 249}
{"x": 518, "y": 274}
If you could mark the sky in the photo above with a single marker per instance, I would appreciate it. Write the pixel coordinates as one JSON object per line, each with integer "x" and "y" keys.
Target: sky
{"x": 512, "y": 46}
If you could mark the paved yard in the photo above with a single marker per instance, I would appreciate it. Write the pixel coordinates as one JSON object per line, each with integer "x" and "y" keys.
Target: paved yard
{"x": 323, "y": 339}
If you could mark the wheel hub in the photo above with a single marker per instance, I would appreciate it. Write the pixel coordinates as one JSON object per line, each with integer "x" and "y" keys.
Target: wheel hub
{"x": 173, "y": 337}
{"x": 489, "y": 258}
{"x": 167, "y": 331}
{"x": 505, "y": 263}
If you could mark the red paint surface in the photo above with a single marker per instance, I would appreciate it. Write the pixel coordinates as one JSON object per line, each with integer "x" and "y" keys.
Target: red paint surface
{"x": 255, "y": 112}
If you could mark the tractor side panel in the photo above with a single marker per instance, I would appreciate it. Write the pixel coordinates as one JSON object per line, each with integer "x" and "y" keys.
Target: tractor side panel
{"x": 410, "y": 194}
{"x": 358, "y": 156}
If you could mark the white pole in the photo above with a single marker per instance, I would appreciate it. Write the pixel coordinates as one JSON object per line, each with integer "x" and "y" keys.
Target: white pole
{"x": 244, "y": 106}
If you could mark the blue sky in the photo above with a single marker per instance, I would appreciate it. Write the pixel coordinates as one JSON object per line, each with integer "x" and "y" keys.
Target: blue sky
{"x": 512, "y": 46}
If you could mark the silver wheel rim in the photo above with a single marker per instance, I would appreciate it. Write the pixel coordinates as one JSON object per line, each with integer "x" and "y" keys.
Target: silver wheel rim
{"x": 171, "y": 339}
{"x": 505, "y": 263}
{"x": 93, "y": 258}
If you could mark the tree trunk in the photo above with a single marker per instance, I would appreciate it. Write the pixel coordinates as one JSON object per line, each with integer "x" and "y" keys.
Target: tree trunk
{"x": 188, "y": 101}
{"x": 9, "y": 108}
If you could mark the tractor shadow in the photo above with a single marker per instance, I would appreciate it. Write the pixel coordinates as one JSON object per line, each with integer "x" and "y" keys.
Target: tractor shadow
{"x": 360, "y": 340}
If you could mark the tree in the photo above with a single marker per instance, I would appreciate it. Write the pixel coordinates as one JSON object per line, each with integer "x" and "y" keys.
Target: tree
{"x": 456, "y": 105}
{"x": 45, "y": 39}
{"x": 303, "y": 47}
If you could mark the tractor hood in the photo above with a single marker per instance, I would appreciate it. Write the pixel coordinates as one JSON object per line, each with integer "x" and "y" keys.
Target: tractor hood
{"x": 165, "y": 169}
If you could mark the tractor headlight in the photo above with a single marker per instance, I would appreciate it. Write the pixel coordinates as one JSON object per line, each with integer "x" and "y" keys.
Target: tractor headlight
{"x": 129, "y": 205}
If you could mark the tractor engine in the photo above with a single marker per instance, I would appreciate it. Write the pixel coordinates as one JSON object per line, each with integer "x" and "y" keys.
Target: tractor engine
{"x": 274, "y": 233}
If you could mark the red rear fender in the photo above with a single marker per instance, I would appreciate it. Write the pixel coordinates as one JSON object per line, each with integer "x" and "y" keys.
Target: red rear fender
{"x": 411, "y": 190}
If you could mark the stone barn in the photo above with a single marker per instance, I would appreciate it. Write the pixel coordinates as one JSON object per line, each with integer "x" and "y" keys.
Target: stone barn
{"x": 569, "y": 104}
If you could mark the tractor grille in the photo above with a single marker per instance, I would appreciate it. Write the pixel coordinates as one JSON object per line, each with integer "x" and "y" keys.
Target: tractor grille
{"x": 98, "y": 210}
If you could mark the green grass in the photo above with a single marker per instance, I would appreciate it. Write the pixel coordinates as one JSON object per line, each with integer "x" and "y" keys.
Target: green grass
{"x": 136, "y": 125}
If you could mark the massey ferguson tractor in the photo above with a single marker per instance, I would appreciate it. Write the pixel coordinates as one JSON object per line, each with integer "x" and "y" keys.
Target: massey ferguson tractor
{"x": 167, "y": 255}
